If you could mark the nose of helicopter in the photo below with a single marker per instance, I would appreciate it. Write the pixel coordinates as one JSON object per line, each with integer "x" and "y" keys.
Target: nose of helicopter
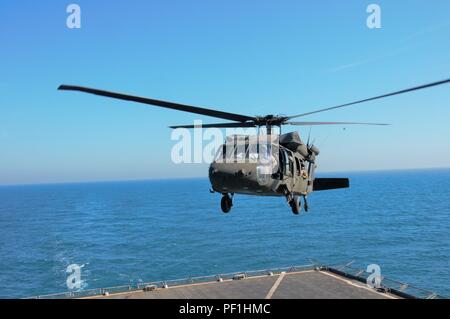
{"x": 232, "y": 177}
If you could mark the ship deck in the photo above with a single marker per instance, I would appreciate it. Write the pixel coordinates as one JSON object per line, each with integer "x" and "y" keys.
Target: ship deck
{"x": 313, "y": 281}
{"x": 307, "y": 284}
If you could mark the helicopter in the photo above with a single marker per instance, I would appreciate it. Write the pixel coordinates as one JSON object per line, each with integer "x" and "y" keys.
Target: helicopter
{"x": 267, "y": 164}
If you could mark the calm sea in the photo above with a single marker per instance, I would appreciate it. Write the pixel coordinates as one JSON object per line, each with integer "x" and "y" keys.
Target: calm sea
{"x": 159, "y": 230}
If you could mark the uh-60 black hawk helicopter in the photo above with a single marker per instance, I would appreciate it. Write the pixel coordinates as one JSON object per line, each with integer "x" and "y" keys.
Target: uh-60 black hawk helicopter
{"x": 262, "y": 165}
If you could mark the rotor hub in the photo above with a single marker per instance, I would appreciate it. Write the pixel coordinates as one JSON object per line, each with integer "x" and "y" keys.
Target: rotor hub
{"x": 269, "y": 120}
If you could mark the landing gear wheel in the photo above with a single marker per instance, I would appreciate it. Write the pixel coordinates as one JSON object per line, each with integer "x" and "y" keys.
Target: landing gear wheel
{"x": 226, "y": 203}
{"x": 295, "y": 205}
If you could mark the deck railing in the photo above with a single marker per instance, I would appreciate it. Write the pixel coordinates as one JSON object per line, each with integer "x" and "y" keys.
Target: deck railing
{"x": 346, "y": 270}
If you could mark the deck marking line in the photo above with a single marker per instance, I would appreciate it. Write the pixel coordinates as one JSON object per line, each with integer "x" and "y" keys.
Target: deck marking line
{"x": 275, "y": 286}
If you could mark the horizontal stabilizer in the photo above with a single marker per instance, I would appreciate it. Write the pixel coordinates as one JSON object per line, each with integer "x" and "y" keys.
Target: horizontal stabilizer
{"x": 322, "y": 184}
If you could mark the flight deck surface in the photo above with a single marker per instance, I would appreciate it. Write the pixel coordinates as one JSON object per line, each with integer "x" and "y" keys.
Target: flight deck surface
{"x": 309, "y": 284}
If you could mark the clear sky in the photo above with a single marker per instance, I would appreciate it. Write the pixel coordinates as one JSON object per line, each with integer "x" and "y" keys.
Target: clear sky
{"x": 250, "y": 57}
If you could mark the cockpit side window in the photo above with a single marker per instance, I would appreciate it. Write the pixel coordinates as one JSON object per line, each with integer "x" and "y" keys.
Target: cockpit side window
{"x": 298, "y": 166}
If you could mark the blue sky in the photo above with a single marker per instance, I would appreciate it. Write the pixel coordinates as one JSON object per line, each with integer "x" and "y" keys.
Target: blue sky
{"x": 250, "y": 57}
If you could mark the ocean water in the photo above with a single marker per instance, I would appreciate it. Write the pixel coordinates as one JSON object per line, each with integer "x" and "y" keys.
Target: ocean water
{"x": 159, "y": 230}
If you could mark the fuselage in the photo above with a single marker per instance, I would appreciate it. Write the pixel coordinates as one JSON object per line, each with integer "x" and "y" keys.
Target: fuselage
{"x": 271, "y": 170}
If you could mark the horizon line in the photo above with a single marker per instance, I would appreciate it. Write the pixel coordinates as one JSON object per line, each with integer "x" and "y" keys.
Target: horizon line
{"x": 204, "y": 177}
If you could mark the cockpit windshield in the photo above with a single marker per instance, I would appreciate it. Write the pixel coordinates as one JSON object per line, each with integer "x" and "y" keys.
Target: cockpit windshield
{"x": 239, "y": 152}
{"x": 243, "y": 153}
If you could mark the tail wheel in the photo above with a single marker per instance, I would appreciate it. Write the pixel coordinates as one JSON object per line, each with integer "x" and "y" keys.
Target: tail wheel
{"x": 305, "y": 205}
{"x": 226, "y": 203}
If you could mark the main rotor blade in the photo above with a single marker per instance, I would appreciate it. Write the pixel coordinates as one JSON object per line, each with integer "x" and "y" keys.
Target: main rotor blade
{"x": 332, "y": 123}
{"x": 219, "y": 125}
{"x": 420, "y": 87}
{"x": 165, "y": 104}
